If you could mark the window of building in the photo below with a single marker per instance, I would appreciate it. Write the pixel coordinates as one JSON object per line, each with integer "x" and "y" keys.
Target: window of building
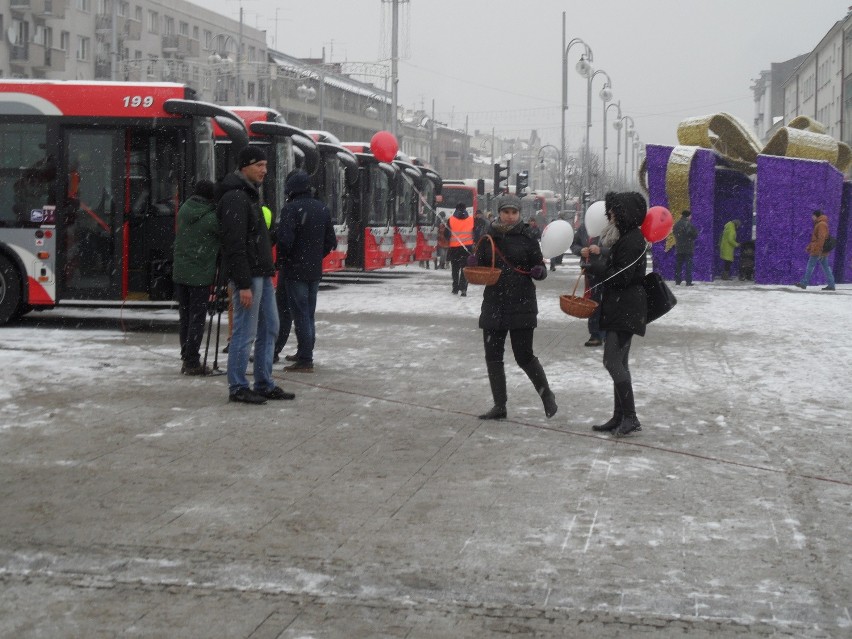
{"x": 153, "y": 22}
{"x": 84, "y": 47}
{"x": 195, "y": 32}
{"x": 65, "y": 41}
{"x": 183, "y": 28}
{"x": 208, "y": 36}
{"x": 123, "y": 9}
{"x": 104, "y": 8}
{"x": 138, "y": 13}
{"x": 252, "y": 53}
{"x": 83, "y": 5}
{"x": 168, "y": 25}
{"x": 250, "y": 91}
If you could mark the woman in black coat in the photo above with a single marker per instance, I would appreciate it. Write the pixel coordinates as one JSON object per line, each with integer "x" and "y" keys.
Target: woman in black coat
{"x": 623, "y": 306}
{"x": 509, "y": 307}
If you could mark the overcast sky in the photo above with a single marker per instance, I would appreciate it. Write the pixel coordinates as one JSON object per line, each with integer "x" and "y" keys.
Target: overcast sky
{"x": 497, "y": 63}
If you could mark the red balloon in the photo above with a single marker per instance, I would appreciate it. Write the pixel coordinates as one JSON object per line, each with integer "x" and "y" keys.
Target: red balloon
{"x": 658, "y": 224}
{"x": 384, "y": 146}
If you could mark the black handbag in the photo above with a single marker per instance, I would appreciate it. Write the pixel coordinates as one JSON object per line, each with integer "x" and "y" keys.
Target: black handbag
{"x": 660, "y": 297}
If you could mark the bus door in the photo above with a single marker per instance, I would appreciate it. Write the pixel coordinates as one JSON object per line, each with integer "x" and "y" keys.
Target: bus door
{"x": 427, "y": 228}
{"x": 155, "y": 174}
{"x": 90, "y": 223}
{"x": 335, "y": 180}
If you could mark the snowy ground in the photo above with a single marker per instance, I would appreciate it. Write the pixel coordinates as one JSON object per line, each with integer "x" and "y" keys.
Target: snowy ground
{"x": 379, "y": 497}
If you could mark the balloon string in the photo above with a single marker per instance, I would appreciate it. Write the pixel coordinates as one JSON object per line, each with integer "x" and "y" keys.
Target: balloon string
{"x": 647, "y": 246}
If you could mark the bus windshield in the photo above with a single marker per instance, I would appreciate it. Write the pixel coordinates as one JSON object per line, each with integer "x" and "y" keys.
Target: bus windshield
{"x": 453, "y": 196}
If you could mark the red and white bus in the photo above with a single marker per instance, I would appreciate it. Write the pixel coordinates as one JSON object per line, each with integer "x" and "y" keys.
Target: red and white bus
{"x": 475, "y": 194}
{"x": 427, "y": 223}
{"x": 335, "y": 182}
{"x": 541, "y": 205}
{"x": 371, "y": 222}
{"x": 91, "y": 177}
{"x": 286, "y": 148}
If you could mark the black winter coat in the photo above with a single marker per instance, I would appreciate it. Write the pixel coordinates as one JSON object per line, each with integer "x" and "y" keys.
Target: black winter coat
{"x": 511, "y": 302}
{"x": 246, "y": 245}
{"x": 624, "y": 306}
{"x": 305, "y": 237}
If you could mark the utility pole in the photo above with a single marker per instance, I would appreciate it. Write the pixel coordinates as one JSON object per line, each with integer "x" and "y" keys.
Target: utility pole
{"x": 394, "y": 66}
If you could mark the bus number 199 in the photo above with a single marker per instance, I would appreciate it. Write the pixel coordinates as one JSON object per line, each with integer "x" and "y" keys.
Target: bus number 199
{"x": 138, "y": 100}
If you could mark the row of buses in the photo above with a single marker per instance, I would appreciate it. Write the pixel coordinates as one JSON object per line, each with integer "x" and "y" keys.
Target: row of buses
{"x": 92, "y": 175}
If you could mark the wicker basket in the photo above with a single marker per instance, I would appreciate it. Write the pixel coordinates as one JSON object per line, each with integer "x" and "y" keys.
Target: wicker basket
{"x": 484, "y": 275}
{"x": 577, "y": 306}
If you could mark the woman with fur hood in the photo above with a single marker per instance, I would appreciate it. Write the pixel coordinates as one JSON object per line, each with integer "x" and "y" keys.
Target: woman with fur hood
{"x": 624, "y": 305}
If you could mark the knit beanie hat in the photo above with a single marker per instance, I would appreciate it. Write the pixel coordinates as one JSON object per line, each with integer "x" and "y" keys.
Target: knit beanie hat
{"x": 250, "y": 155}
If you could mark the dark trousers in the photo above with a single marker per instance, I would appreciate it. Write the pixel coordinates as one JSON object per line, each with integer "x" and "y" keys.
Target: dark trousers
{"x": 302, "y": 301}
{"x": 615, "y": 360}
{"x": 458, "y": 259}
{"x": 522, "y": 344}
{"x": 726, "y": 269}
{"x": 683, "y": 261}
{"x": 594, "y": 322}
{"x": 192, "y": 309}
{"x": 284, "y": 318}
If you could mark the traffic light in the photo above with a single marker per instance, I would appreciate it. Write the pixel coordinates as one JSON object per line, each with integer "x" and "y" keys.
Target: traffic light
{"x": 501, "y": 178}
{"x": 522, "y": 182}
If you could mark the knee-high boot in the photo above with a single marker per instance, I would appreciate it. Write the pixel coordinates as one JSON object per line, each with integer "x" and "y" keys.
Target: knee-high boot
{"x": 536, "y": 374}
{"x": 497, "y": 379}
{"x": 615, "y": 420}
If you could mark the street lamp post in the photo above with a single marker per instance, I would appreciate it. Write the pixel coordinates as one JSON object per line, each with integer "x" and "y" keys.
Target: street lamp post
{"x": 606, "y": 96}
{"x": 217, "y": 58}
{"x": 617, "y": 126}
{"x": 589, "y": 56}
{"x": 628, "y": 133}
{"x": 540, "y": 160}
{"x": 603, "y": 155}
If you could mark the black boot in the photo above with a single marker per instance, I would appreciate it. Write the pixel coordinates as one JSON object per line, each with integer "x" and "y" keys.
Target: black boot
{"x": 624, "y": 397}
{"x": 615, "y": 420}
{"x": 536, "y": 374}
{"x": 497, "y": 379}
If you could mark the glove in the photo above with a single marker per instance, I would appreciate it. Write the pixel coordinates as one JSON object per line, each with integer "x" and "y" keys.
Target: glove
{"x": 471, "y": 260}
{"x": 538, "y": 272}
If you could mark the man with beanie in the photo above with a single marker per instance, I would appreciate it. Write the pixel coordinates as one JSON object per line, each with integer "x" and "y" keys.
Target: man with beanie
{"x": 247, "y": 259}
{"x": 684, "y": 234}
{"x": 459, "y": 234}
{"x": 305, "y": 237}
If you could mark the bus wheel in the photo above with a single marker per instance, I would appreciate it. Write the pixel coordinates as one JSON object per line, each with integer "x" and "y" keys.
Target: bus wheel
{"x": 10, "y": 290}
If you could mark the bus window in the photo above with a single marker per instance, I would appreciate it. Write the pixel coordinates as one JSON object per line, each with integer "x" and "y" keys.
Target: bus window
{"x": 380, "y": 192}
{"x": 27, "y": 175}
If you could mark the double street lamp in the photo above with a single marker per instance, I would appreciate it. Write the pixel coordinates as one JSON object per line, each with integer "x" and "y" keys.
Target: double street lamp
{"x": 540, "y": 159}
{"x": 584, "y": 60}
{"x": 585, "y": 69}
{"x": 617, "y": 125}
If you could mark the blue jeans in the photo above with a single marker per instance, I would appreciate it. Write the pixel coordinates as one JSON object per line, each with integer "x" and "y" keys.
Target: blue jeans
{"x": 259, "y": 321}
{"x": 302, "y": 300}
{"x": 809, "y": 269}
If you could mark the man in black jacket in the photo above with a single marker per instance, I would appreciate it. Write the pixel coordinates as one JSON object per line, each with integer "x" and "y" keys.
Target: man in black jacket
{"x": 305, "y": 237}
{"x": 247, "y": 257}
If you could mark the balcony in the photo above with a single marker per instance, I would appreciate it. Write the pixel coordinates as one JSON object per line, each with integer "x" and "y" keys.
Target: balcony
{"x": 46, "y": 59}
{"x": 19, "y": 52}
{"x": 181, "y": 46}
{"x": 40, "y": 8}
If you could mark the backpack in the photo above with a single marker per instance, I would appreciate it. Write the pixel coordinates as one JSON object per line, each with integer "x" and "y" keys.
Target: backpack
{"x": 829, "y": 244}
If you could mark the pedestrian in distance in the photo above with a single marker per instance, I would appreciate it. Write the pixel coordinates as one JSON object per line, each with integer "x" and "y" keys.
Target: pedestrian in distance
{"x": 480, "y": 225}
{"x": 247, "y": 257}
{"x": 509, "y": 306}
{"x": 196, "y": 249}
{"x": 590, "y": 251}
{"x": 442, "y": 245}
{"x": 817, "y": 253}
{"x": 305, "y": 236}
{"x": 685, "y": 234}
{"x": 459, "y": 235}
{"x": 727, "y": 245}
{"x": 624, "y": 306}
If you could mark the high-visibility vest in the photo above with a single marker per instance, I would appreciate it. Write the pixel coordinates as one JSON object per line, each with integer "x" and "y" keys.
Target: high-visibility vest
{"x": 462, "y": 231}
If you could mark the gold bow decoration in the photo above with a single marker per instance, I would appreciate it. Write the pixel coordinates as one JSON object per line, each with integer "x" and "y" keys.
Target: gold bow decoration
{"x": 725, "y": 134}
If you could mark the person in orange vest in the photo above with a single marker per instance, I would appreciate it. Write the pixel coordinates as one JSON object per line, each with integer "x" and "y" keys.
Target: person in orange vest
{"x": 459, "y": 234}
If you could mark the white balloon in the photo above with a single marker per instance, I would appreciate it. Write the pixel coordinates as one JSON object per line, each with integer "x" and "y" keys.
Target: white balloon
{"x": 595, "y": 218}
{"x": 556, "y": 238}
